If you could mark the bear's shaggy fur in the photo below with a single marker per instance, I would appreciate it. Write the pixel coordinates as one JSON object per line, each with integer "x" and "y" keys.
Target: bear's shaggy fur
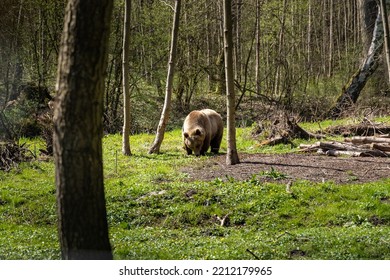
{"x": 202, "y": 129}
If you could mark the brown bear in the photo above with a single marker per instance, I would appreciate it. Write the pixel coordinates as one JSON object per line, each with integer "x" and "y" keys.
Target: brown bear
{"x": 202, "y": 129}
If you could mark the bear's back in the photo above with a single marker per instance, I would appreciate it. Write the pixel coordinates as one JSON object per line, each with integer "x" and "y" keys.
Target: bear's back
{"x": 215, "y": 120}
{"x": 195, "y": 119}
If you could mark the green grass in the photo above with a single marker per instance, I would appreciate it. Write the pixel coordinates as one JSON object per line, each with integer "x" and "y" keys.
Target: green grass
{"x": 321, "y": 221}
{"x": 155, "y": 212}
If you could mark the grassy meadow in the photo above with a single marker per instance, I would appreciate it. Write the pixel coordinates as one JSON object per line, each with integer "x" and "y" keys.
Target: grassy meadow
{"x": 155, "y": 212}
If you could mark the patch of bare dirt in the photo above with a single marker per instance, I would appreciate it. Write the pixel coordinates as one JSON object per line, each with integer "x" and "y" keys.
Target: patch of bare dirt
{"x": 315, "y": 168}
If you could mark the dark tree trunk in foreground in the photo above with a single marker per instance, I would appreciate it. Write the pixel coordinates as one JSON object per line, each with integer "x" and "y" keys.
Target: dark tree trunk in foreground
{"x": 352, "y": 89}
{"x": 232, "y": 155}
{"x": 78, "y": 129}
{"x": 155, "y": 148}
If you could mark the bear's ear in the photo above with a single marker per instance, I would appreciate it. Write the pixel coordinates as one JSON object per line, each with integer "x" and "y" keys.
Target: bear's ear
{"x": 198, "y": 132}
{"x": 185, "y": 134}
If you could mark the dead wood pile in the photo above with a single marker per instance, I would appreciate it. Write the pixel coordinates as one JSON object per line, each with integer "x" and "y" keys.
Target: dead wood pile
{"x": 365, "y": 128}
{"x": 12, "y": 154}
{"x": 357, "y": 146}
{"x": 364, "y": 139}
{"x": 281, "y": 130}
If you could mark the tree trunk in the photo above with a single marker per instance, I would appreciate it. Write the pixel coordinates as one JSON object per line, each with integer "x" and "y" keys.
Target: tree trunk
{"x": 257, "y": 65}
{"x": 369, "y": 11}
{"x": 78, "y": 131}
{"x": 352, "y": 89}
{"x": 126, "y": 90}
{"x": 309, "y": 38}
{"x": 281, "y": 58}
{"x": 331, "y": 40}
{"x": 232, "y": 155}
{"x": 208, "y": 45}
{"x": 386, "y": 36}
{"x": 168, "y": 88}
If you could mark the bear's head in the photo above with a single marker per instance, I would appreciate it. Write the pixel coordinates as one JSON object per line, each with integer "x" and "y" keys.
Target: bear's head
{"x": 194, "y": 140}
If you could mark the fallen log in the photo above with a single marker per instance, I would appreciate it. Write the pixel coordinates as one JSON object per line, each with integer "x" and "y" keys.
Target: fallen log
{"x": 381, "y": 147}
{"x": 338, "y": 146}
{"x": 367, "y": 140}
{"x": 375, "y": 153}
{"x": 308, "y": 147}
{"x": 356, "y": 153}
{"x": 385, "y": 135}
{"x": 348, "y": 148}
{"x": 335, "y": 153}
{"x": 275, "y": 141}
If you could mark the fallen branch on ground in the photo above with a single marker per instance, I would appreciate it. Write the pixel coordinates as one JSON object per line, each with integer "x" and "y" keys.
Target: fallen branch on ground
{"x": 355, "y": 146}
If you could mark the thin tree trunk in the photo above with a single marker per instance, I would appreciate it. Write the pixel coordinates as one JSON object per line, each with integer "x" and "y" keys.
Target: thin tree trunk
{"x": 309, "y": 39}
{"x": 257, "y": 65}
{"x": 386, "y": 35}
{"x": 352, "y": 89}
{"x": 369, "y": 11}
{"x": 168, "y": 88}
{"x": 16, "y": 47}
{"x": 232, "y": 155}
{"x": 238, "y": 46}
{"x": 280, "y": 60}
{"x": 208, "y": 46}
{"x": 331, "y": 40}
{"x": 78, "y": 131}
{"x": 126, "y": 90}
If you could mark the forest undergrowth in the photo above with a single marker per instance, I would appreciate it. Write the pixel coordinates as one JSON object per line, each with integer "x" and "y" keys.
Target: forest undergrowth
{"x": 156, "y": 211}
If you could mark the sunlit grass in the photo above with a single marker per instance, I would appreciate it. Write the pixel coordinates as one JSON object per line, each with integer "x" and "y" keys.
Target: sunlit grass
{"x": 155, "y": 212}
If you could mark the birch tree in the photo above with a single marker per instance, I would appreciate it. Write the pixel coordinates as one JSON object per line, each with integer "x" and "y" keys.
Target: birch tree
{"x": 155, "y": 148}
{"x": 351, "y": 91}
{"x": 386, "y": 36}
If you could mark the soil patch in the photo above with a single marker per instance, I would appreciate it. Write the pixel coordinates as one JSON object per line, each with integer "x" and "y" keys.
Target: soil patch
{"x": 315, "y": 168}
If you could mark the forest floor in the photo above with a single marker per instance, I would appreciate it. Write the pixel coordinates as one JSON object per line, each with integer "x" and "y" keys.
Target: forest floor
{"x": 294, "y": 166}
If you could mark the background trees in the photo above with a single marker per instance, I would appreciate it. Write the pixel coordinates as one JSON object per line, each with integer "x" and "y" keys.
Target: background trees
{"x": 295, "y": 55}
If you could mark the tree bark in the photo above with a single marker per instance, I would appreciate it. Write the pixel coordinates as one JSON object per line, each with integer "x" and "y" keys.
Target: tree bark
{"x": 155, "y": 148}
{"x": 126, "y": 90}
{"x": 331, "y": 40}
{"x": 257, "y": 65}
{"x": 369, "y": 139}
{"x": 386, "y": 36}
{"x": 352, "y": 89}
{"x": 232, "y": 155}
{"x": 369, "y": 11}
{"x": 78, "y": 130}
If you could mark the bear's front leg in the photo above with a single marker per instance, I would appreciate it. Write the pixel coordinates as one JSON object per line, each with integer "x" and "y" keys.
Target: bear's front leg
{"x": 188, "y": 150}
{"x": 204, "y": 149}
